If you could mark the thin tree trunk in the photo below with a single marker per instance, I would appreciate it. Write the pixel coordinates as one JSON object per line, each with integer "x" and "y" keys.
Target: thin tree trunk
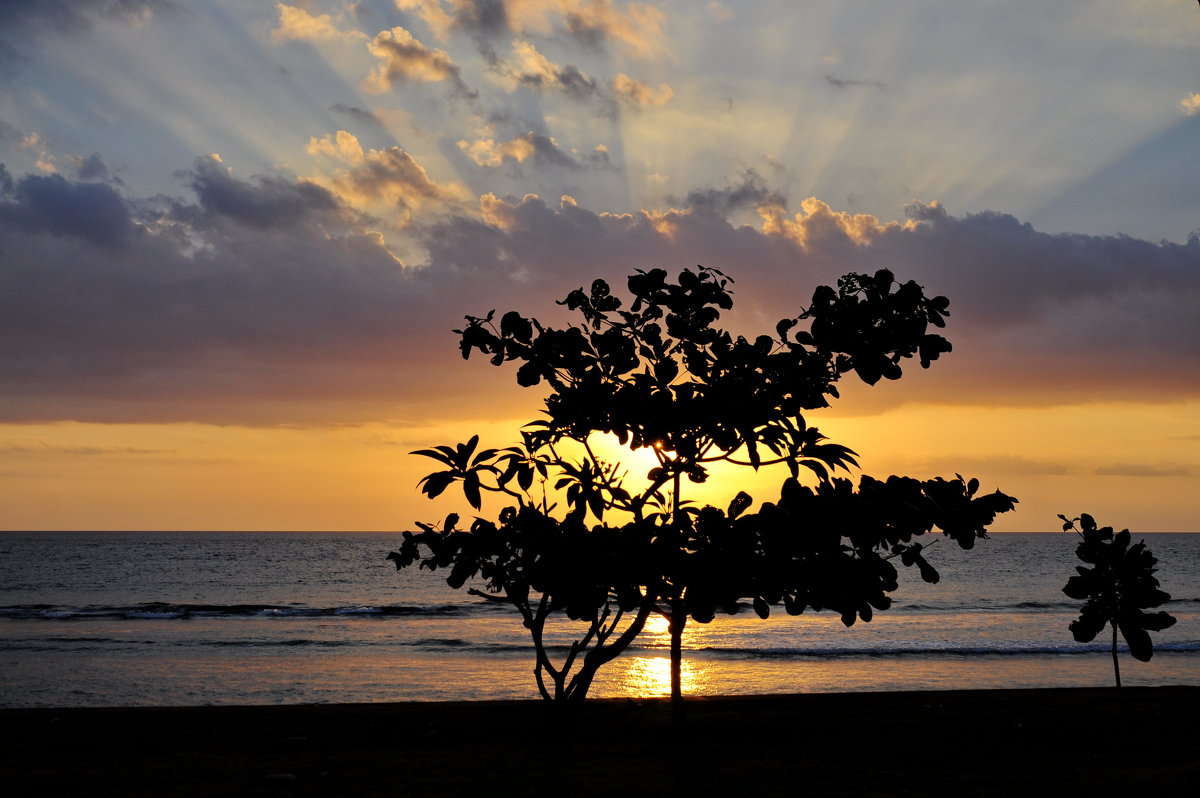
{"x": 678, "y": 620}
{"x": 1116, "y": 663}
{"x": 678, "y": 616}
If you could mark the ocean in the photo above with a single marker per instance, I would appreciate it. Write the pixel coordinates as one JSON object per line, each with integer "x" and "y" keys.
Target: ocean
{"x": 171, "y": 618}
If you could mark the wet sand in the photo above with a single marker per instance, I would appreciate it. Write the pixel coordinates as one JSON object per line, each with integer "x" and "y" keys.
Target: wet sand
{"x": 993, "y": 742}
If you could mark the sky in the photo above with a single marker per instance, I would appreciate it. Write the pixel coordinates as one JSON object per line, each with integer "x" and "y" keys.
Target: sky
{"x": 235, "y": 237}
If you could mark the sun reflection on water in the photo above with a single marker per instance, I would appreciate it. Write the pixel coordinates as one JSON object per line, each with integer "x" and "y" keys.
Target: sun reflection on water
{"x": 650, "y": 676}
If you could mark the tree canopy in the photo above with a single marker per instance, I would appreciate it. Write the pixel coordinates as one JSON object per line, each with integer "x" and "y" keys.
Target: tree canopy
{"x": 659, "y": 374}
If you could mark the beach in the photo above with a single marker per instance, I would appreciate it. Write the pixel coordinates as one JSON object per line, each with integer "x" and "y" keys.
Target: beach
{"x": 1090, "y": 741}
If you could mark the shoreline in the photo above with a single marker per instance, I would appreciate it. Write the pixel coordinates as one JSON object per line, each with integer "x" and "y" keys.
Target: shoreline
{"x": 1095, "y": 741}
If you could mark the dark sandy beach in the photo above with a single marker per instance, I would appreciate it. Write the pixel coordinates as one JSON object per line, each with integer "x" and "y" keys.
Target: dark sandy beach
{"x": 1020, "y": 742}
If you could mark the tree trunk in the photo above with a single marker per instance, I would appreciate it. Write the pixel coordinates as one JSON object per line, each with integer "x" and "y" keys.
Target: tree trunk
{"x": 1116, "y": 663}
{"x": 678, "y": 621}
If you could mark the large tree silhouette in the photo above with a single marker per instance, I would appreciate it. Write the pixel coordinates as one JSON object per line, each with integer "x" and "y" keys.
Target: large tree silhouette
{"x": 662, "y": 376}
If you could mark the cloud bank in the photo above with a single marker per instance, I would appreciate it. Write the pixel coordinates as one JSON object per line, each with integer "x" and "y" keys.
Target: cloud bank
{"x": 270, "y": 299}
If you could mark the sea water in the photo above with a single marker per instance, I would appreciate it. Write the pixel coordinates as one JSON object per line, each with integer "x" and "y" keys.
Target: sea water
{"x": 168, "y": 618}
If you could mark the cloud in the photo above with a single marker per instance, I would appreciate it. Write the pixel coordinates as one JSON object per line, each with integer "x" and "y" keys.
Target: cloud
{"x": 998, "y": 465}
{"x": 530, "y": 146}
{"x": 637, "y": 94}
{"x": 92, "y": 168}
{"x": 636, "y": 28}
{"x": 42, "y": 447}
{"x": 51, "y": 204}
{"x": 532, "y": 69}
{"x": 1142, "y": 470}
{"x": 750, "y": 192}
{"x": 391, "y": 176}
{"x": 202, "y": 312}
{"x": 298, "y": 24}
{"x": 267, "y": 300}
{"x": 45, "y": 159}
{"x": 847, "y": 83}
{"x": 477, "y": 17}
{"x": 267, "y": 202}
{"x": 486, "y": 152}
{"x": 363, "y": 117}
{"x": 72, "y": 16}
{"x": 1038, "y": 319}
{"x": 404, "y": 59}
{"x": 1190, "y": 104}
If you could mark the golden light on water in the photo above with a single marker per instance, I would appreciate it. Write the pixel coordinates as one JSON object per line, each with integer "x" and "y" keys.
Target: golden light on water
{"x": 649, "y": 676}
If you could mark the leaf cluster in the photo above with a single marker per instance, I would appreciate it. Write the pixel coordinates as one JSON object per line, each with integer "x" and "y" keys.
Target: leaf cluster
{"x": 1118, "y": 587}
{"x": 528, "y": 554}
{"x": 828, "y": 547}
{"x": 660, "y": 374}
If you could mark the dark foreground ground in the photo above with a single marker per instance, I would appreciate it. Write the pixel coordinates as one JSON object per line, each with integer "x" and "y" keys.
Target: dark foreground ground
{"x": 1137, "y": 741}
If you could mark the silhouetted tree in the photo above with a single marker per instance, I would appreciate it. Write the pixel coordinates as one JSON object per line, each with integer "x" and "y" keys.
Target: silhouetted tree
{"x": 661, "y": 376}
{"x": 1116, "y": 590}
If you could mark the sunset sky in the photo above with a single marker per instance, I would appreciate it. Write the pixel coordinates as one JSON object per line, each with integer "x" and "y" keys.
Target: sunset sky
{"x": 235, "y": 236}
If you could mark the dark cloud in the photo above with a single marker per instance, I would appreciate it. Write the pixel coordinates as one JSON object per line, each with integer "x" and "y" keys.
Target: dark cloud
{"x": 533, "y": 70}
{"x": 568, "y": 79}
{"x": 748, "y": 193}
{"x": 586, "y": 32}
{"x": 25, "y": 20}
{"x": 483, "y": 19}
{"x": 359, "y": 115}
{"x": 848, "y": 83}
{"x": 267, "y": 202}
{"x": 52, "y": 204}
{"x": 262, "y": 301}
{"x": 93, "y": 168}
{"x": 546, "y": 152}
{"x": 73, "y": 16}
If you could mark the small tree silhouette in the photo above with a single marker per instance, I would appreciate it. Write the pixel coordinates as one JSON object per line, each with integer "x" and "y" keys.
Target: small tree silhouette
{"x": 661, "y": 376}
{"x": 1116, "y": 590}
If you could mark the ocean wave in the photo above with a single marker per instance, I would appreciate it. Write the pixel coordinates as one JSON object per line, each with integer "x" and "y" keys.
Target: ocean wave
{"x": 458, "y": 644}
{"x": 168, "y": 611}
{"x": 1005, "y": 650}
